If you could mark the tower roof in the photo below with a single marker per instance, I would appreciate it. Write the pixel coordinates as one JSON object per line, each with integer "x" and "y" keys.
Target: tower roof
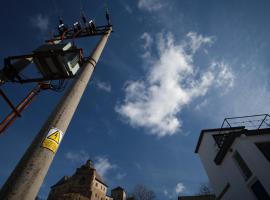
{"x": 118, "y": 188}
{"x": 89, "y": 165}
{"x": 61, "y": 181}
{"x": 85, "y": 170}
{"x": 99, "y": 179}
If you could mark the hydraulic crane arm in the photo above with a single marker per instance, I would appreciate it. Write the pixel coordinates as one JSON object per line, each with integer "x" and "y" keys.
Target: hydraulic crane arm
{"x": 16, "y": 111}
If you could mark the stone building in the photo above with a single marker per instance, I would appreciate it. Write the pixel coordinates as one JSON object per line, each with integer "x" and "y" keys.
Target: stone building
{"x": 85, "y": 184}
{"x": 118, "y": 193}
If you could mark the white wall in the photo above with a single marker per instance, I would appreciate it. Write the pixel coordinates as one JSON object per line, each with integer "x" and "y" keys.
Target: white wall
{"x": 229, "y": 172}
{"x": 207, "y": 153}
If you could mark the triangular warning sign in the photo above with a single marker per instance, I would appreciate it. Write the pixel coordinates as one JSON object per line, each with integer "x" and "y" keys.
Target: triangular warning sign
{"x": 55, "y": 136}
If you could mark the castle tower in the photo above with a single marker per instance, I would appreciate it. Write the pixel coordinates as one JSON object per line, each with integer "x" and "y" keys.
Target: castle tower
{"x": 118, "y": 194}
{"x": 85, "y": 184}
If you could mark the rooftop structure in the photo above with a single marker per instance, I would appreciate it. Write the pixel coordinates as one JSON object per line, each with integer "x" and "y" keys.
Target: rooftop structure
{"x": 237, "y": 159}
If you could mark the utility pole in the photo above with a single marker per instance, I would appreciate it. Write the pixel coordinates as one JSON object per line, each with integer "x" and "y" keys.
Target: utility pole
{"x": 26, "y": 179}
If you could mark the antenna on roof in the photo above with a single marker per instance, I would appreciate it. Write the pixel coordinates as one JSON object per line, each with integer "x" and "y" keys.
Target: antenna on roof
{"x": 108, "y": 17}
{"x": 83, "y": 17}
{"x": 61, "y": 21}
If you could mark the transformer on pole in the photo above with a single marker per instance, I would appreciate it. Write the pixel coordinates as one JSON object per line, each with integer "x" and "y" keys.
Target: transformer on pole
{"x": 58, "y": 61}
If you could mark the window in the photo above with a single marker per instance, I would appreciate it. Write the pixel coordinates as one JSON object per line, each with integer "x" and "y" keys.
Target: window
{"x": 242, "y": 165}
{"x": 259, "y": 191}
{"x": 265, "y": 149}
{"x": 223, "y": 192}
{"x": 96, "y": 184}
{"x": 82, "y": 180}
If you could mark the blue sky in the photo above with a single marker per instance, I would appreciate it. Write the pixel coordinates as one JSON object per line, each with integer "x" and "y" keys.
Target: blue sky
{"x": 170, "y": 69}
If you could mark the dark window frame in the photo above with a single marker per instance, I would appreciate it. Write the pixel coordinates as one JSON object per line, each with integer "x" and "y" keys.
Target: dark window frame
{"x": 242, "y": 165}
{"x": 259, "y": 191}
{"x": 261, "y": 146}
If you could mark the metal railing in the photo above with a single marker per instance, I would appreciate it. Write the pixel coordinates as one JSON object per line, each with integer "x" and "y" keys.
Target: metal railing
{"x": 250, "y": 122}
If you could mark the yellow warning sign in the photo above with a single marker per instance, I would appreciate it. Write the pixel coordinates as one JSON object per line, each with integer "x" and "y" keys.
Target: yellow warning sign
{"x": 53, "y": 139}
{"x": 50, "y": 145}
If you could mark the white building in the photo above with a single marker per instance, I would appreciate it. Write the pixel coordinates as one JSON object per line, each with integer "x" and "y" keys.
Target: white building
{"x": 237, "y": 162}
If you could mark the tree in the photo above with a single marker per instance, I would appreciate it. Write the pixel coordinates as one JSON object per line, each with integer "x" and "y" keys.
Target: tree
{"x": 141, "y": 192}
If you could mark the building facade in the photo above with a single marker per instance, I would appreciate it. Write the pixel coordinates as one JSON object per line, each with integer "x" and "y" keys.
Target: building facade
{"x": 237, "y": 162}
{"x": 118, "y": 193}
{"x": 85, "y": 184}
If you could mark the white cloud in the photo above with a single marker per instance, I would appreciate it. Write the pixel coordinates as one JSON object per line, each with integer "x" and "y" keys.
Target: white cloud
{"x": 172, "y": 83}
{"x": 41, "y": 22}
{"x": 103, "y": 86}
{"x": 225, "y": 78}
{"x": 103, "y": 165}
{"x": 120, "y": 176}
{"x": 167, "y": 194}
{"x": 201, "y": 105}
{"x": 196, "y": 41}
{"x": 180, "y": 188}
{"x": 77, "y": 157}
{"x": 128, "y": 9}
{"x": 148, "y": 41}
{"x": 250, "y": 94}
{"x": 150, "y": 5}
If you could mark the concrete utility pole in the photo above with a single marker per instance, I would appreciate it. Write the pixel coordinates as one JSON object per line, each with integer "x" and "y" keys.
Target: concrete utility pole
{"x": 26, "y": 179}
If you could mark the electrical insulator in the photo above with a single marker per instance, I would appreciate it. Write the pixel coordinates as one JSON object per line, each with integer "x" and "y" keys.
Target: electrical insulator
{"x": 77, "y": 26}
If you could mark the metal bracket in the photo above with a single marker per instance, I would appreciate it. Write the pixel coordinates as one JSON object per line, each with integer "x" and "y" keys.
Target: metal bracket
{"x": 84, "y": 32}
{"x": 10, "y": 73}
{"x": 16, "y": 111}
{"x": 9, "y": 103}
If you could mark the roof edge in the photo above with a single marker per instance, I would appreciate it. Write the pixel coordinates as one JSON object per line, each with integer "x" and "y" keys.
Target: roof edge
{"x": 213, "y": 130}
{"x": 100, "y": 181}
{"x": 223, "y": 151}
{"x": 118, "y": 188}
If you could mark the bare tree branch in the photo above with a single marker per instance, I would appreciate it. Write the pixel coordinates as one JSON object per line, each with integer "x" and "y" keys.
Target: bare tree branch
{"x": 141, "y": 192}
